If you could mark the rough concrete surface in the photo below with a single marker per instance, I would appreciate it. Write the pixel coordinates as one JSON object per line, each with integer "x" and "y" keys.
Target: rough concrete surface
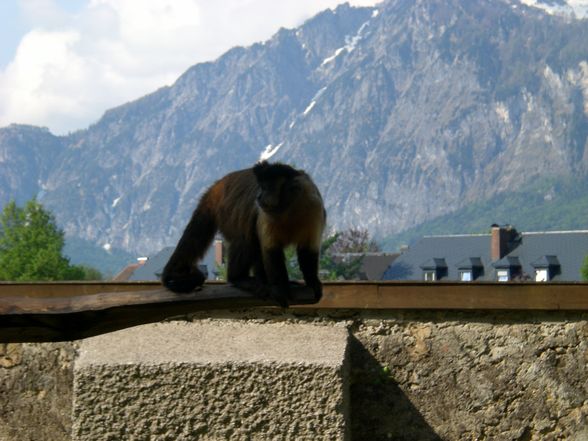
{"x": 470, "y": 376}
{"x": 421, "y": 375}
{"x": 36, "y": 391}
{"x": 212, "y": 380}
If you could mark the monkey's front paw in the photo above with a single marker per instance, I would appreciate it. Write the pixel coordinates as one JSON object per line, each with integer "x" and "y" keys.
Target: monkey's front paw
{"x": 317, "y": 289}
{"x": 279, "y": 295}
{"x": 182, "y": 283}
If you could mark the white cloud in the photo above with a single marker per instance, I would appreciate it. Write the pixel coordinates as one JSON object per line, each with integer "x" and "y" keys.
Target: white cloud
{"x": 43, "y": 13}
{"x": 71, "y": 67}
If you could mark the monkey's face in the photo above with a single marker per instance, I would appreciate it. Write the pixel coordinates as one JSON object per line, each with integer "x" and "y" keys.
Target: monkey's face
{"x": 278, "y": 186}
{"x": 276, "y": 195}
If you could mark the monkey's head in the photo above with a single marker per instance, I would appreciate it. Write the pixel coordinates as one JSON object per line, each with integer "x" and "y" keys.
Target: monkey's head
{"x": 278, "y": 186}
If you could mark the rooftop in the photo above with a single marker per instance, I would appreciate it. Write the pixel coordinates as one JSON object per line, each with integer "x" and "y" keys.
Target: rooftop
{"x": 563, "y": 251}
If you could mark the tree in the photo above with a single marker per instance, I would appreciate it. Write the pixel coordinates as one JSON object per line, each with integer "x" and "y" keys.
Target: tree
{"x": 333, "y": 265}
{"x": 341, "y": 255}
{"x": 584, "y": 269}
{"x": 354, "y": 240}
{"x": 31, "y": 246}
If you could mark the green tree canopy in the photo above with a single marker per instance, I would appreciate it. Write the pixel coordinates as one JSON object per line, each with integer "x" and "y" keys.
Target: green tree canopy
{"x": 584, "y": 269}
{"x": 31, "y": 246}
{"x": 332, "y": 264}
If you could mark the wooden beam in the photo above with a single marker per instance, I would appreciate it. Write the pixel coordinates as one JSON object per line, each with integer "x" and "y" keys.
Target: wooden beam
{"x": 456, "y": 296}
{"x": 69, "y": 311}
{"x": 53, "y": 311}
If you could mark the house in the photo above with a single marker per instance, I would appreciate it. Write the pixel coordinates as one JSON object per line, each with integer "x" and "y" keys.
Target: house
{"x": 503, "y": 255}
{"x": 125, "y": 274}
{"x": 150, "y": 269}
{"x": 373, "y": 264}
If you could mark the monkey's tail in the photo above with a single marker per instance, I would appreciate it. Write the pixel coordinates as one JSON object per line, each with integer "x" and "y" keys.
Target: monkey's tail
{"x": 181, "y": 273}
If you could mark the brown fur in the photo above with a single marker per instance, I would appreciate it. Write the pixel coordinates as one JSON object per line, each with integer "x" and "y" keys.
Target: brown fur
{"x": 259, "y": 211}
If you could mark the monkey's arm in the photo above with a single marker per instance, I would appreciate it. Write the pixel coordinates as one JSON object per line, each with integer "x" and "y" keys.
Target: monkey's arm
{"x": 274, "y": 263}
{"x": 308, "y": 260}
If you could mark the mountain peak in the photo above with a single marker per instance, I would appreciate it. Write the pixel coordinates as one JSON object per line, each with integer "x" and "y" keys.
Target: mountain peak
{"x": 571, "y": 8}
{"x": 400, "y": 116}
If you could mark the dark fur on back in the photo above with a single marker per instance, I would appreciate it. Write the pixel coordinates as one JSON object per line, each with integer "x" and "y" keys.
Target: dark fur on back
{"x": 264, "y": 171}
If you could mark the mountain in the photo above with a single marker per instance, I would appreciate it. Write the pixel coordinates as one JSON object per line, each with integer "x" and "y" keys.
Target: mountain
{"x": 27, "y": 157}
{"x": 542, "y": 205}
{"x": 402, "y": 113}
{"x": 569, "y": 8}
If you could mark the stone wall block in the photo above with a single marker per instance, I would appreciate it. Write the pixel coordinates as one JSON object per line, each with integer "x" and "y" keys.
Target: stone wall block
{"x": 213, "y": 380}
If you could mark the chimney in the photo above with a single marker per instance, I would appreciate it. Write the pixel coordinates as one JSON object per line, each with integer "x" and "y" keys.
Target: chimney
{"x": 219, "y": 258}
{"x": 499, "y": 242}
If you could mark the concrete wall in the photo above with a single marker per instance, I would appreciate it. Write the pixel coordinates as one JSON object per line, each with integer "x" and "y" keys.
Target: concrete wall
{"x": 36, "y": 391}
{"x": 213, "y": 380}
{"x": 471, "y": 376}
{"x": 413, "y": 376}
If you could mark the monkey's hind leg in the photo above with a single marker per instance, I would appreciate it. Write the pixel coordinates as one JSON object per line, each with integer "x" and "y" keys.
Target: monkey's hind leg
{"x": 242, "y": 258}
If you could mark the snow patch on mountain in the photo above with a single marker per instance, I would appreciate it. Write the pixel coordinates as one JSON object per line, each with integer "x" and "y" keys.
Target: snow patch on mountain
{"x": 351, "y": 42}
{"x": 571, "y": 8}
{"x": 270, "y": 151}
{"x": 309, "y": 108}
{"x": 313, "y": 101}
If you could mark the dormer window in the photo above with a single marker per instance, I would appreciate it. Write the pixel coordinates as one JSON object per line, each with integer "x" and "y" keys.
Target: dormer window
{"x": 546, "y": 268}
{"x": 507, "y": 268}
{"x": 466, "y": 275}
{"x": 429, "y": 276}
{"x": 503, "y": 275}
{"x": 434, "y": 269}
{"x": 470, "y": 269}
{"x": 541, "y": 275}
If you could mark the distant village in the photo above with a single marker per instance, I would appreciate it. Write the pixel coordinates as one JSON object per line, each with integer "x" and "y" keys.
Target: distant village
{"x": 502, "y": 255}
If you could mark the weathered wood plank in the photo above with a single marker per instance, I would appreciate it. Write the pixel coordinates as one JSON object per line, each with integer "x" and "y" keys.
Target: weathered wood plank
{"x": 61, "y": 318}
{"x": 36, "y": 298}
{"x": 485, "y": 296}
{"x": 68, "y": 311}
{"x": 70, "y": 289}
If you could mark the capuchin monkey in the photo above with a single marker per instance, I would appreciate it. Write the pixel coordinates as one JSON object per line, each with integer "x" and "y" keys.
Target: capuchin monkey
{"x": 259, "y": 211}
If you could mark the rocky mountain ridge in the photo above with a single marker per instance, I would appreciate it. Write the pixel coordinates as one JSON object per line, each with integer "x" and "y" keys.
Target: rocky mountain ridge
{"x": 569, "y": 8}
{"x": 402, "y": 113}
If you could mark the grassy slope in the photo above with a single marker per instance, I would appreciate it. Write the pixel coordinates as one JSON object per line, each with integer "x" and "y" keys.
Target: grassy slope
{"x": 546, "y": 205}
{"x": 109, "y": 263}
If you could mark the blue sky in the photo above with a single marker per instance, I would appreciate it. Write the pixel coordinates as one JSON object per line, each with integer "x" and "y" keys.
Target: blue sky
{"x": 11, "y": 30}
{"x": 14, "y": 24}
{"x": 64, "y": 62}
